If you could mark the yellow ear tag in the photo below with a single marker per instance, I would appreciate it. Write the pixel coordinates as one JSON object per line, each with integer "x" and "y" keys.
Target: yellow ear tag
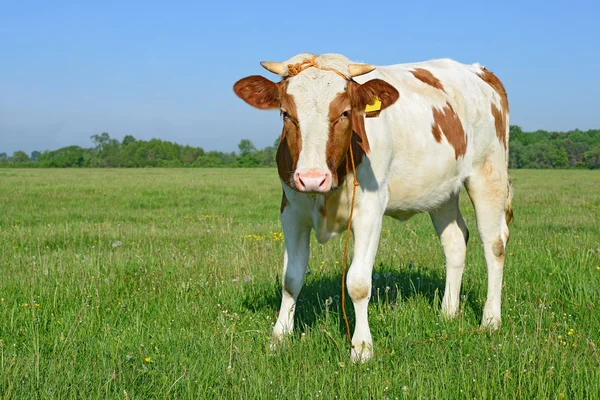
{"x": 375, "y": 106}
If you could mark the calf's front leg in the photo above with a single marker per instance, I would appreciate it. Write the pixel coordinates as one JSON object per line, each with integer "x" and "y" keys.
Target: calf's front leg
{"x": 295, "y": 260}
{"x": 366, "y": 229}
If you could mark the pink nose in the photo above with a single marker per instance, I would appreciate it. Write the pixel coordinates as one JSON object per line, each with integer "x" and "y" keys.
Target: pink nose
{"x": 313, "y": 181}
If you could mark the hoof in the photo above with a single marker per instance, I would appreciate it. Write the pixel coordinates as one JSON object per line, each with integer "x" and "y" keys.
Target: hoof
{"x": 491, "y": 316}
{"x": 278, "y": 339}
{"x": 361, "y": 353}
{"x": 449, "y": 314}
{"x": 491, "y": 323}
{"x": 449, "y": 311}
{"x": 275, "y": 346}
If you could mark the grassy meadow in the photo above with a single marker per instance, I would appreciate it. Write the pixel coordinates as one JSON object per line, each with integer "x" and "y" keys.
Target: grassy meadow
{"x": 165, "y": 283}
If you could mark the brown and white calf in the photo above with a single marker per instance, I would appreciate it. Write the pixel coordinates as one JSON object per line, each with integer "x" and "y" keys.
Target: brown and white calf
{"x": 440, "y": 125}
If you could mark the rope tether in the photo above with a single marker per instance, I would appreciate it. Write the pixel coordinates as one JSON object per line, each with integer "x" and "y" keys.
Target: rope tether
{"x": 346, "y": 244}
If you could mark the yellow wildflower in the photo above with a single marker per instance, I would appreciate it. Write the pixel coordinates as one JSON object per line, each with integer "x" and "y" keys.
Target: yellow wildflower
{"x": 148, "y": 360}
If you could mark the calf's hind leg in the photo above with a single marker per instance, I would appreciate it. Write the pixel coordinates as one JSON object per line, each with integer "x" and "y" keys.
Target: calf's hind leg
{"x": 453, "y": 234}
{"x": 488, "y": 188}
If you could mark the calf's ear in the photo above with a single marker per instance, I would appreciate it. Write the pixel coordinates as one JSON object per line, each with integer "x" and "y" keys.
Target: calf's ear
{"x": 374, "y": 92}
{"x": 370, "y": 91}
{"x": 258, "y": 91}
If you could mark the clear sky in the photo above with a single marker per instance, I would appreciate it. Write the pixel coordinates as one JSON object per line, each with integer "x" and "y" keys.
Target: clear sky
{"x": 71, "y": 69}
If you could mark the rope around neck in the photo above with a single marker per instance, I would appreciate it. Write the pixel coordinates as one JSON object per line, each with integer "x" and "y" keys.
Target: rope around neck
{"x": 344, "y": 263}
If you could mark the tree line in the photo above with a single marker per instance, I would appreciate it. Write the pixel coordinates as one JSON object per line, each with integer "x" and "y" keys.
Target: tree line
{"x": 539, "y": 149}
{"x": 109, "y": 152}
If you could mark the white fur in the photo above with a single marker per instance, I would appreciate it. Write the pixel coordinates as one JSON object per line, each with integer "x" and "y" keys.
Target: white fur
{"x": 406, "y": 172}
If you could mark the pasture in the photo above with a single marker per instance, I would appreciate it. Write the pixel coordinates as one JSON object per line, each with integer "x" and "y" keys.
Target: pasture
{"x": 165, "y": 283}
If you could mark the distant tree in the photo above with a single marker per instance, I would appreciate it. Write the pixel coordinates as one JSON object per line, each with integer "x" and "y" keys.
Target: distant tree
{"x": 100, "y": 141}
{"x": 35, "y": 155}
{"x": 66, "y": 157}
{"x": 577, "y": 136}
{"x": 558, "y": 158}
{"x": 592, "y": 157}
{"x": 3, "y": 156}
{"x": 107, "y": 151}
{"x": 19, "y": 157}
{"x": 189, "y": 155}
{"x": 575, "y": 151}
{"x": 246, "y": 147}
{"x": 515, "y": 154}
{"x": 210, "y": 159}
{"x": 515, "y": 130}
{"x": 268, "y": 156}
{"x": 127, "y": 140}
{"x": 228, "y": 159}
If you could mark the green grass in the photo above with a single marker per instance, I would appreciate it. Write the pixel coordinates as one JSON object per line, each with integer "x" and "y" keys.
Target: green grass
{"x": 166, "y": 283}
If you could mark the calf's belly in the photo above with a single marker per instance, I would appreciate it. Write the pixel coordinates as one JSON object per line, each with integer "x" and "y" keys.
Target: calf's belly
{"x": 407, "y": 197}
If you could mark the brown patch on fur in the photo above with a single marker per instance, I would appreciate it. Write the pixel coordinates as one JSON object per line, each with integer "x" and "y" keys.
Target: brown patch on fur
{"x": 340, "y": 132}
{"x": 285, "y": 163}
{"x": 345, "y": 168}
{"x": 258, "y": 91}
{"x": 357, "y": 116}
{"x": 428, "y": 78}
{"x": 437, "y": 134}
{"x": 500, "y": 116}
{"x": 508, "y": 210}
{"x": 498, "y": 248}
{"x": 290, "y": 143}
{"x": 284, "y": 202}
{"x": 358, "y": 128}
{"x": 447, "y": 122}
{"x": 287, "y": 100}
{"x": 500, "y": 122}
{"x": 495, "y": 83}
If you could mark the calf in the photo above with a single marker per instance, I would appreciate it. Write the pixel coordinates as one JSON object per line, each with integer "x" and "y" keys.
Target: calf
{"x": 418, "y": 133}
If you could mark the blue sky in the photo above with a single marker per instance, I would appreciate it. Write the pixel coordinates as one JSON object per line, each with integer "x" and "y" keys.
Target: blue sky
{"x": 69, "y": 70}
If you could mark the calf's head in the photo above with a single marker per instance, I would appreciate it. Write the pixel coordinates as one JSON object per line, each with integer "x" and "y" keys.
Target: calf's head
{"x": 323, "y": 113}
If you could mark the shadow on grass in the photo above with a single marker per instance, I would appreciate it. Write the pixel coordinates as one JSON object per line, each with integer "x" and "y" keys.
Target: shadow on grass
{"x": 321, "y": 294}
